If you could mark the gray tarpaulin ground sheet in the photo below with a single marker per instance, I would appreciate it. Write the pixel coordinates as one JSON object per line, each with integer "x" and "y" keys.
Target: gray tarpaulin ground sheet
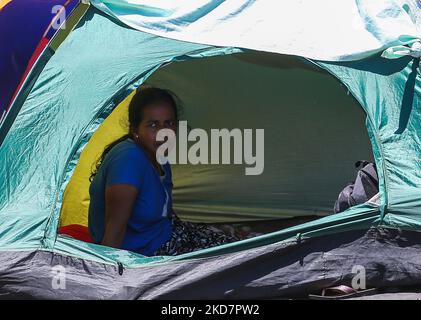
{"x": 389, "y": 257}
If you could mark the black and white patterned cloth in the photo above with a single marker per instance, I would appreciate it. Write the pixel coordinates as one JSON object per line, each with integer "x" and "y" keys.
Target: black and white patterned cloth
{"x": 188, "y": 237}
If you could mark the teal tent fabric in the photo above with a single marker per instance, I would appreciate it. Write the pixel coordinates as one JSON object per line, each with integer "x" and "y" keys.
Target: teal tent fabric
{"x": 328, "y": 30}
{"x": 87, "y": 77}
{"x": 53, "y": 123}
{"x": 394, "y": 124}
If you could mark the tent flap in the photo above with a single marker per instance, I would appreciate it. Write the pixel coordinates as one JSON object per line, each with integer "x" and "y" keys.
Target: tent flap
{"x": 328, "y": 30}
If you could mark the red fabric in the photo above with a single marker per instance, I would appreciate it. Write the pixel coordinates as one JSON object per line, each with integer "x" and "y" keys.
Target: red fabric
{"x": 77, "y": 231}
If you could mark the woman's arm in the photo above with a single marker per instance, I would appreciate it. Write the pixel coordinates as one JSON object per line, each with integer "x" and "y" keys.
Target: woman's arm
{"x": 119, "y": 202}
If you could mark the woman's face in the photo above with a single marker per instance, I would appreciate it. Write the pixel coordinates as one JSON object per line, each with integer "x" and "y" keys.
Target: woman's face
{"x": 155, "y": 117}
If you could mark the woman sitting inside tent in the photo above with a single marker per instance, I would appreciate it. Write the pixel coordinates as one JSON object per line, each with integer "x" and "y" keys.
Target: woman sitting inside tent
{"x": 131, "y": 193}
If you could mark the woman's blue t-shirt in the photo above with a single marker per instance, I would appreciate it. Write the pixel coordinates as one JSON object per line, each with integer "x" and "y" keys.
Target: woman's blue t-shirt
{"x": 149, "y": 225}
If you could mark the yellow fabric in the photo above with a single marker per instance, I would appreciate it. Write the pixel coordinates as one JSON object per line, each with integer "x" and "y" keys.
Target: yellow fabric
{"x": 76, "y": 196}
{"x": 3, "y": 3}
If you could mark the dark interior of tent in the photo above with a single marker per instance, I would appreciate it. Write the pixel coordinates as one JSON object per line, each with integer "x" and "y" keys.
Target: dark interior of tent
{"x": 314, "y": 132}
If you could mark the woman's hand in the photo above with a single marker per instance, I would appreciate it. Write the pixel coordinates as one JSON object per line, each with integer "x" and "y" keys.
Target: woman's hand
{"x": 119, "y": 202}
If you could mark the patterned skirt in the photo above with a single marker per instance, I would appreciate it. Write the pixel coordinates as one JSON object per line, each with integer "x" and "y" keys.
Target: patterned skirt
{"x": 188, "y": 237}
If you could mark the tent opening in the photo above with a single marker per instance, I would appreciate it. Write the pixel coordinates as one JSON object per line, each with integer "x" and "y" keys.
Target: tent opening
{"x": 314, "y": 132}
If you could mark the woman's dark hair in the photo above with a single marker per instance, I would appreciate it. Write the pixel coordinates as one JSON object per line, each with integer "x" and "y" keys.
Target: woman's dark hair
{"x": 142, "y": 98}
